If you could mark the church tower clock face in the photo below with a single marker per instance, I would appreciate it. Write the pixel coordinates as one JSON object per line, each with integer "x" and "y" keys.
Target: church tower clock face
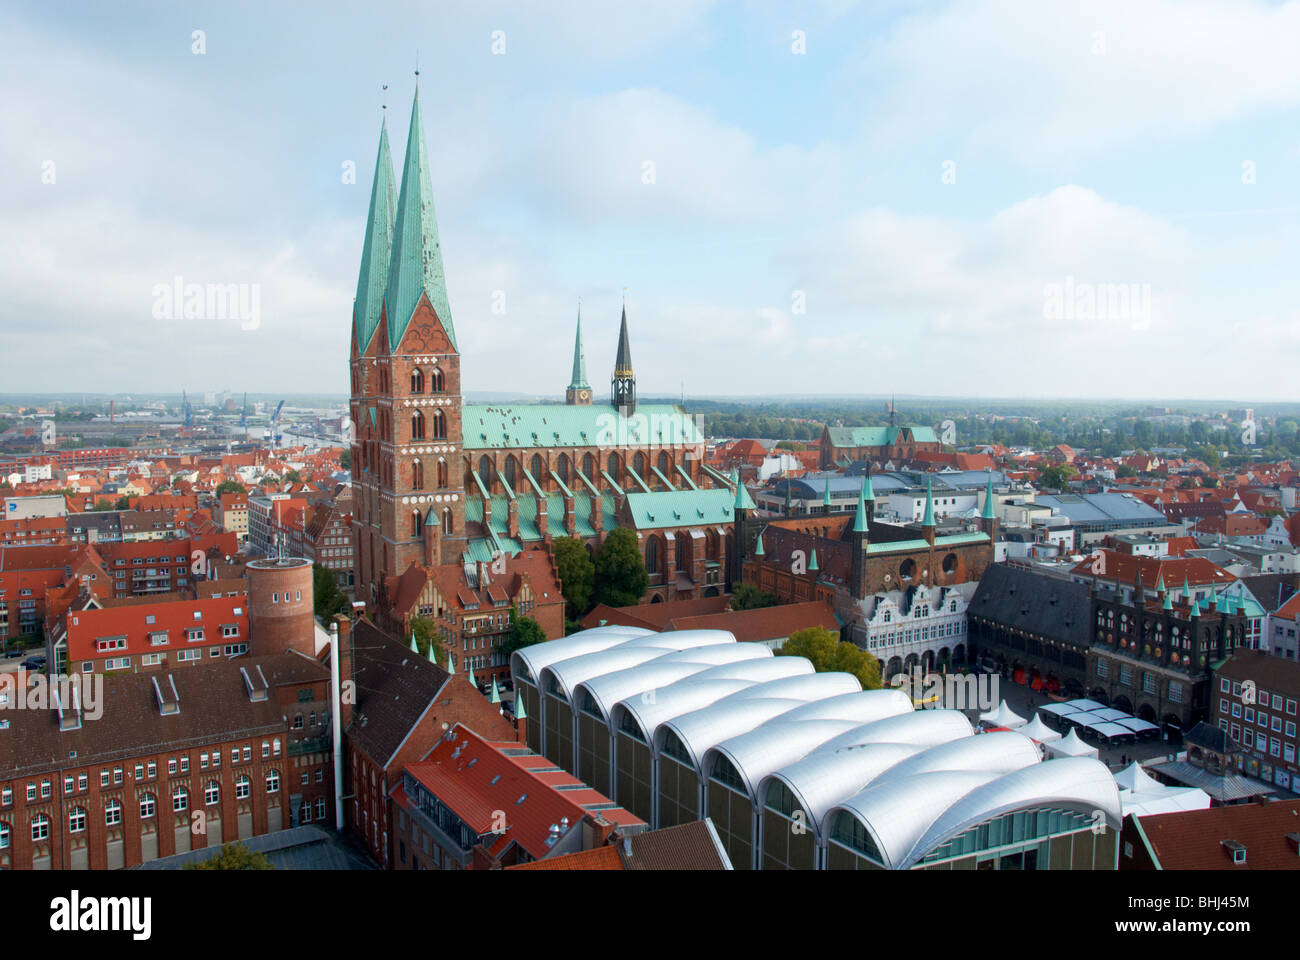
{"x": 584, "y": 394}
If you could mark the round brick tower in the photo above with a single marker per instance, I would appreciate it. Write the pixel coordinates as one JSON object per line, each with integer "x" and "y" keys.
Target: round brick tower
{"x": 280, "y": 606}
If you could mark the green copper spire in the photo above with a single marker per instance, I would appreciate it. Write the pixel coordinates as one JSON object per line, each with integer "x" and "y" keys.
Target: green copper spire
{"x": 470, "y": 675}
{"x": 987, "y": 513}
{"x": 1187, "y": 592}
{"x": 431, "y": 518}
{"x": 579, "y": 360}
{"x": 868, "y": 491}
{"x": 451, "y": 664}
{"x": 826, "y": 497}
{"x": 433, "y": 657}
{"x": 758, "y": 549}
{"x": 377, "y": 247}
{"x": 1168, "y": 603}
{"x": 812, "y": 563}
{"x": 496, "y": 694}
{"x": 860, "y": 524}
{"x": 928, "y": 519}
{"x": 1160, "y": 583}
{"x": 521, "y": 712}
{"x": 414, "y": 648}
{"x": 743, "y": 500}
{"x": 415, "y": 267}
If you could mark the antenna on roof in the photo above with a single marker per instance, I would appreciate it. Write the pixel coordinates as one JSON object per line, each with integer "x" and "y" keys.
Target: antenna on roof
{"x": 384, "y": 106}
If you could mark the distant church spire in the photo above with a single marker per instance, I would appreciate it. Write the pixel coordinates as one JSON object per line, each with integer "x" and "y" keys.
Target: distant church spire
{"x": 623, "y": 385}
{"x": 579, "y": 390}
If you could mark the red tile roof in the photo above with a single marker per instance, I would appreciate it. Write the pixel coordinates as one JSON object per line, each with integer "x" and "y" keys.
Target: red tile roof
{"x": 1193, "y": 839}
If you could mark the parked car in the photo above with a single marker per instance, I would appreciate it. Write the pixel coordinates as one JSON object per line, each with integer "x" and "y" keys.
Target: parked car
{"x": 13, "y": 654}
{"x": 33, "y": 663}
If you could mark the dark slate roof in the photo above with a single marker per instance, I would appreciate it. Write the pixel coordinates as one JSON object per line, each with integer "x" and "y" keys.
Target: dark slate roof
{"x": 1271, "y": 589}
{"x": 214, "y": 706}
{"x": 1034, "y": 602}
{"x": 308, "y": 847}
{"x": 394, "y": 689}
{"x": 1209, "y": 737}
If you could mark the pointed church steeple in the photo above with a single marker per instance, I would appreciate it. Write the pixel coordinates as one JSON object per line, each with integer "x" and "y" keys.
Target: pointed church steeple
{"x": 623, "y": 384}
{"x": 377, "y": 249}
{"x": 578, "y": 392}
{"x": 415, "y": 266}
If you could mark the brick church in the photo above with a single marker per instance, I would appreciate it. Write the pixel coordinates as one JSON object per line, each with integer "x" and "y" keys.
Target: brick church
{"x": 439, "y": 481}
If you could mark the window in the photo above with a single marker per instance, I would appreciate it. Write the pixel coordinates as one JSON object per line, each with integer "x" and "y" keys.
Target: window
{"x": 203, "y": 761}
{"x": 4, "y": 835}
{"x": 234, "y": 754}
{"x": 248, "y": 753}
{"x": 7, "y": 796}
{"x": 171, "y": 764}
{"x": 180, "y": 799}
{"x": 46, "y": 789}
{"x": 112, "y": 813}
{"x": 40, "y": 827}
{"x": 77, "y": 820}
{"x": 273, "y": 781}
{"x": 103, "y": 778}
{"x": 148, "y": 803}
{"x": 320, "y": 808}
{"x": 243, "y": 787}
{"x": 212, "y": 794}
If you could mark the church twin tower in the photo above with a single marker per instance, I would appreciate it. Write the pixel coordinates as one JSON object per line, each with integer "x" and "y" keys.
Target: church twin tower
{"x": 409, "y": 463}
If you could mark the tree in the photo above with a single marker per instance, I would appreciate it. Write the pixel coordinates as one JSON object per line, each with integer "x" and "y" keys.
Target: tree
{"x": 620, "y": 572}
{"x": 577, "y": 574}
{"x": 828, "y": 653}
{"x": 230, "y": 486}
{"x": 524, "y": 632}
{"x": 345, "y": 460}
{"x": 293, "y": 476}
{"x": 426, "y": 632}
{"x": 123, "y": 503}
{"x": 327, "y": 599}
{"x": 233, "y": 856}
{"x": 1124, "y": 471}
{"x": 746, "y": 596}
{"x": 1055, "y": 478}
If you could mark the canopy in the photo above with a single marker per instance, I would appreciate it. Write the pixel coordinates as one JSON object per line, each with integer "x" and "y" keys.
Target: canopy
{"x": 1164, "y": 800}
{"x": 1003, "y": 716}
{"x": 1134, "y": 778}
{"x": 1071, "y": 746}
{"x": 1086, "y": 706}
{"x": 1059, "y": 709}
{"x": 1111, "y": 714}
{"x": 1111, "y": 730}
{"x": 1035, "y": 729}
{"x": 1136, "y": 725}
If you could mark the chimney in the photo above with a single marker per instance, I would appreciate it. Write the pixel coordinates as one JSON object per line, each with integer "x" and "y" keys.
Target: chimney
{"x": 341, "y": 629}
{"x": 543, "y": 525}
{"x": 432, "y": 537}
{"x": 571, "y": 519}
{"x": 512, "y": 519}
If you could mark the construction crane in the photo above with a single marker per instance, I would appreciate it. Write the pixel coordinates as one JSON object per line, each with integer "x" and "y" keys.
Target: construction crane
{"x": 243, "y": 417}
{"x": 272, "y": 434}
{"x": 189, "y": 416}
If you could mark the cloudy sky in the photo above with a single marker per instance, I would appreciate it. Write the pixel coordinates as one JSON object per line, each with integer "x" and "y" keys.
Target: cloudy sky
{"x": 1002, "y": 198}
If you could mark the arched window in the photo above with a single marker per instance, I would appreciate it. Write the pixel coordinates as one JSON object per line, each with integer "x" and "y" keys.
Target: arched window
{"x": 688, "y": 463}
{"x": 446, "y": 522}
{"x": 417, "y": 381}
{"x": 243, "y": 787}
{"x": 148, "y": 803}
{"x": 536, "y": 468}
{"x": 40, "y": 827}
{"x": 112, "y": 813}
{"x": 589, "y": 467}
{"x": 415, "y": 523}
{"x": 485, "y": 472}
{"x": 180, "y": 799}
{"x": 417, "y": 474}
{"x": 437, "y": 382}
{"x": 417, "y": 425}
{"x": 273, "y": 781}
{"x": 511, "y": 470}
{"x": 611, "y": 467}
{"x": 212, "y": 794}
{"x": 652, "y": 556}
{"x": 4, "y": 835}
{"x": 439, "y": 425}
{"x": 562, "y": 468}
{"x": 77, "y": 820}
{"x": 664, "y": 464}
{"x": 638, "y": 464}
{"x": 442, "y": 473}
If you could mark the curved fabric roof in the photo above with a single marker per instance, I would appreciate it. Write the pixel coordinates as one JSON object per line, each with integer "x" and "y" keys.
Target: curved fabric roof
{"x": 742, "y": 711}
{"x": 897, "y": 812}
{"x": 925, "y": 728}
{"x": 529, "y": 661}
{"x": 570, "y": 672}
{"x": 798, "y": 732}
{"x": 703, "y": 689}
{"x": 1000, "y": 752}
{"x": 1075, "y": 783}
{"x": 609, "y": 688}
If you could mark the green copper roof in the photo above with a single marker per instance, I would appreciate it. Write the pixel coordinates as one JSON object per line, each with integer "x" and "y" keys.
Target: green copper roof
{"x": 496, "y": 694}
{"x": 928, "y": 519}
{"x": 415, "y": 267}
{"x": 868, "y": 491}
{"x": 377, "y": 248}
{"x": 431, "y": 518}
{"x": 826, "y": 497}
{"x": 521, "y": 712}
{"x": 470, "y": 676}
{"x": 579, "y": 380}
{"x": 877, "y": 436}
{"x": 451, "y": 664}
{"x": 860, "y": 518}
{"x": 499, "y": 427}
{"x": 1187, "y": 592}
{"x": 987, "y": 513}
{"x": 743, "y": 500}
{"x": 414, "y": 648}
{"x": 677, "y": 508}
{"x": 1160, "y": 583}
{"x": 1168, "y": 603}
{"x": 812, "y": 563}
{"x": 758, "y": 548}
{"x": 433, "y": 657}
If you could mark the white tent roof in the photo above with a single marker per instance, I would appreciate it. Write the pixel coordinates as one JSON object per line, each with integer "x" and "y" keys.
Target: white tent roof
{"x": 1136, "y": 725}
{"x": 1164, "y": 800}
{"x": 1111, "y": 714}
{"x": 1071, "y": 746}
{"x": 1035, "y": 729}
{"x": 1060, "y": 709}
{"x": 1134, "y": 778}
{"x": 1003, "y": 716}
{"x": 1086, "y": 705}
{"x": 1111, "y": 730}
